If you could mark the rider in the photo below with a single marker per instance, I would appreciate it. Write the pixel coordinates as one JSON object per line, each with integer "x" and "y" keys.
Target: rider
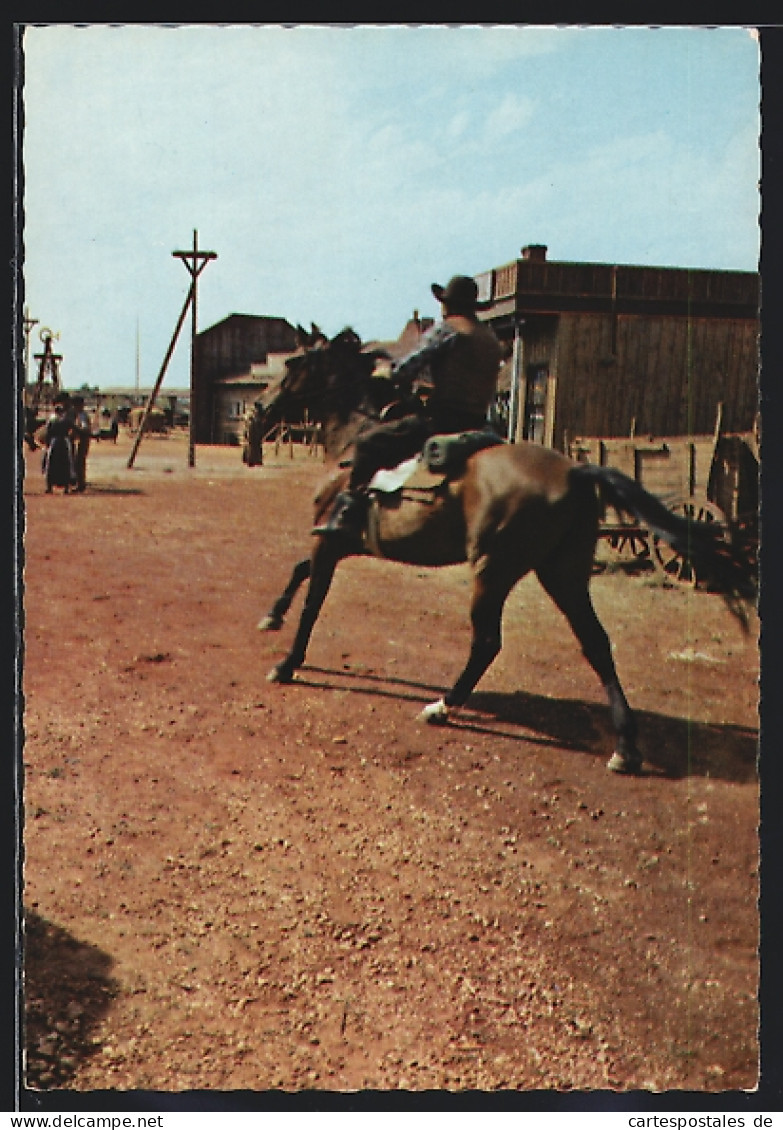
{"x": 462, "y": 356}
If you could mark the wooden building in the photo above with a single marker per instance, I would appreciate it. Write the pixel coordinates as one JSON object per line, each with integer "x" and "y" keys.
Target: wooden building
{"x": 235, "y": 397}
{"x": 232, "y": 385}
{"x": 613, "y": 350}
{"x": 229, "y": 349}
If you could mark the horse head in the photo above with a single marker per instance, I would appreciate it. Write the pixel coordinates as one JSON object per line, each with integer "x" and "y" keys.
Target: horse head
{"x": 332, "y": 379}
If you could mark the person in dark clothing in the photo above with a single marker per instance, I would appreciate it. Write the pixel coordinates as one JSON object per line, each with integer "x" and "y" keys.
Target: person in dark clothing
{"x": 57, "y": 463}
{"x": 81, "y": 433}
{"x": 30, "y": 427}
{"x": 461, "y": 357}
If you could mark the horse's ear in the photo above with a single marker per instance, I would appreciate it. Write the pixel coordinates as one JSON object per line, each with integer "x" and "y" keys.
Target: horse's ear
{"x": 316, "y": 333}
{"x": 302, "y": 337}
{"x": 347, "y": 337}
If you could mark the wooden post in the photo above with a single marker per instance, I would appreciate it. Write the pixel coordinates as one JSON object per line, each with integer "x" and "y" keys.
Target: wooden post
{"x": 195, "y": 261}
{"x": 161, "y": 374}
{"x": 514, "y": 399}
{"x": 27, "y": 325}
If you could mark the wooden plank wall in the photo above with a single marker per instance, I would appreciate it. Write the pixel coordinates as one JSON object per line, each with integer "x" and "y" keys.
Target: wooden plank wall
{"x": 668, "y": 374}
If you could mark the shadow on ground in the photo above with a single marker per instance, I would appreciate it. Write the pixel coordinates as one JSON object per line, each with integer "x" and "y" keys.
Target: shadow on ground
{"x": 672, "y": 747}
{"x": 67, "y": 990}
{"x": 111, "y": 488}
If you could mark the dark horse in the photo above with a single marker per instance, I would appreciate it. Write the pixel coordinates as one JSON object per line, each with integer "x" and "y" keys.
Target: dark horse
{"x": 509, "y": 509}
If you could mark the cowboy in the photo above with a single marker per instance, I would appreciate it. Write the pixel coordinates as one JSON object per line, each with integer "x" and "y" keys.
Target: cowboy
{"x": 461, "y": 357}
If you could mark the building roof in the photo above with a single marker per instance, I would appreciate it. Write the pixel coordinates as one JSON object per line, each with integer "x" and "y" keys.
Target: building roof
{"x": 408, "y": 340}
{"x": 260, "y": 374}
{"x": 269, "y": 318}
{"x": 536, "y": 284}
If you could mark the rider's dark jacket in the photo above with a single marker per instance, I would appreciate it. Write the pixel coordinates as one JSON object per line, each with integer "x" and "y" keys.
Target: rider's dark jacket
{"x": 462, "y": 357}
{"x": 459, "y": 359}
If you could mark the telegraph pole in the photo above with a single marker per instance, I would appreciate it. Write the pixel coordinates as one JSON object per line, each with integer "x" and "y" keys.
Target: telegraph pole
{"x": 161, "y": 375}
{"x": 27, "y": 324}
{"x": 195, "y": 261}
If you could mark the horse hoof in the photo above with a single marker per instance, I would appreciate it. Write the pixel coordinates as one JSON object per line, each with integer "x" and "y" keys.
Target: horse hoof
{"x": 280, "y": 674}
{"x": 631, "y": 766}
{"x": 436, "y": 714}
{"x": 269, "y": 624}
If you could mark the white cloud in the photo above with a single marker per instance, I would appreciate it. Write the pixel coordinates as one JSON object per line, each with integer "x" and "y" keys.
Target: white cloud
{"x": 509, "y": 116}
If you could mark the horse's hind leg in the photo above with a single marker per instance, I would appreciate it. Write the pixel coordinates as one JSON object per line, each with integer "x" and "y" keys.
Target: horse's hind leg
{"x": 273, "y": 621}
{"x": 567, "y": 584}
{"x": 486, "y": 611}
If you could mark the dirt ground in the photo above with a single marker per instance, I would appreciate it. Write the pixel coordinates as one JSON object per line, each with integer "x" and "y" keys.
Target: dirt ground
{"x": 232, "y": 884}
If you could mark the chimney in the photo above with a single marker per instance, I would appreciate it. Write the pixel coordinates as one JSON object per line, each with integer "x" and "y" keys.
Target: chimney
{"x": 535, "y": 252}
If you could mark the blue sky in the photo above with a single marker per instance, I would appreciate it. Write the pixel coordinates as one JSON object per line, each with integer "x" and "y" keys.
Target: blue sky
{"x": 338, "y": 171}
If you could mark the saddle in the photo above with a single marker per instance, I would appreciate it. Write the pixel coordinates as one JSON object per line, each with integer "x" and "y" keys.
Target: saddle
{"x": 422, "y": 481}
{"x": 442, "y": 457}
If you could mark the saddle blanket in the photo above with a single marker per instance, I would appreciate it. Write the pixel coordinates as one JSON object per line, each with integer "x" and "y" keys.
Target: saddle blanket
{"x": 387, "y": 482}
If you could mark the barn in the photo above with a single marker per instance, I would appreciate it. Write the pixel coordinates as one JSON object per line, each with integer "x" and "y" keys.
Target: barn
{"x": 238, "y": 347}
{"x": 608, "y": 349}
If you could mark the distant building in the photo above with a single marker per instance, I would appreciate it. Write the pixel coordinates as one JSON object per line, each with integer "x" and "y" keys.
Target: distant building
{"x": 409, "y": 339}
{"x": 230, "y": 349}
{"x": 600, "y": 349}
{"x": 120, "y": 400}
{"x": 235, "y": 396}
{"x": 230, "y": 385}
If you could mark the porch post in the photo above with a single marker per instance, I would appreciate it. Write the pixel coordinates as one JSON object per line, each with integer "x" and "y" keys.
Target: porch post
{"x": 515, "y": 415}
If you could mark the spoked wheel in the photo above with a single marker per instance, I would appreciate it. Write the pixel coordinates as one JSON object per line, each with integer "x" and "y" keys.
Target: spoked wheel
{"x": 630, "y": 545}
{"x": 747, "y": 538}
{"x": 674, "y": 566}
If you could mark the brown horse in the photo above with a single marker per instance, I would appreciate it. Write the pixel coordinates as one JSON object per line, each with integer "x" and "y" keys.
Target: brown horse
{"x": 510, "y": 509}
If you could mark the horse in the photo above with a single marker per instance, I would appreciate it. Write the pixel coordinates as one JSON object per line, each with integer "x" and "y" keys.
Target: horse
{"x": 510, "y": 509}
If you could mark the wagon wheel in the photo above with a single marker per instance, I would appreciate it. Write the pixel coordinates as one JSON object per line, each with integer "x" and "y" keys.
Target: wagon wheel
{"x": 674, "y": 566}
{"x": 746, "y": 535}
{"x": 630, "y": 545}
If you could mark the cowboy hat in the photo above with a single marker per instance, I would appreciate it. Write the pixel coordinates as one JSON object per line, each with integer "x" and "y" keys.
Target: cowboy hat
{"x": 460, "y": 295}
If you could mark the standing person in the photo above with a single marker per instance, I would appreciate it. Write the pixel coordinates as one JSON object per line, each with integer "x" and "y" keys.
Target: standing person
{"x": 252, "y": 446}
{"x": 57, "y": 465}
{"x": 82, "y": 433}
{"x": 462, "y": 356}
{"x": 30, "y": 427}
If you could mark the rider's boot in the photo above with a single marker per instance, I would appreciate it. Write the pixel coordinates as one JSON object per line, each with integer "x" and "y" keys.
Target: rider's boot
{"x": 347, "y": 516}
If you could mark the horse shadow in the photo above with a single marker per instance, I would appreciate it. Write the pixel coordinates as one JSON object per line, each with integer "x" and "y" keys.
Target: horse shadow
{"x": 68, "y": 988}
{"x": 672, "y": 747}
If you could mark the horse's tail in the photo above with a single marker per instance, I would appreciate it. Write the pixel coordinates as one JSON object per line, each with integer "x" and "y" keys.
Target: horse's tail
{"x": 703, "y": 544}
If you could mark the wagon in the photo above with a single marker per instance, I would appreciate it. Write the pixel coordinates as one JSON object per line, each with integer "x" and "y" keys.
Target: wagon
{"x": 710, "y": 478}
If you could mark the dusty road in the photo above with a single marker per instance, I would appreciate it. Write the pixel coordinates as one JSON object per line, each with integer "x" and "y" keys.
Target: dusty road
{"x": 232, "y": 884}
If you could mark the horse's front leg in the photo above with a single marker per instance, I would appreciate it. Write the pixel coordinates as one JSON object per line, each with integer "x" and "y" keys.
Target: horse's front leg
{"x": 322, "y": 566}
{"x": 273, "y": 621}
